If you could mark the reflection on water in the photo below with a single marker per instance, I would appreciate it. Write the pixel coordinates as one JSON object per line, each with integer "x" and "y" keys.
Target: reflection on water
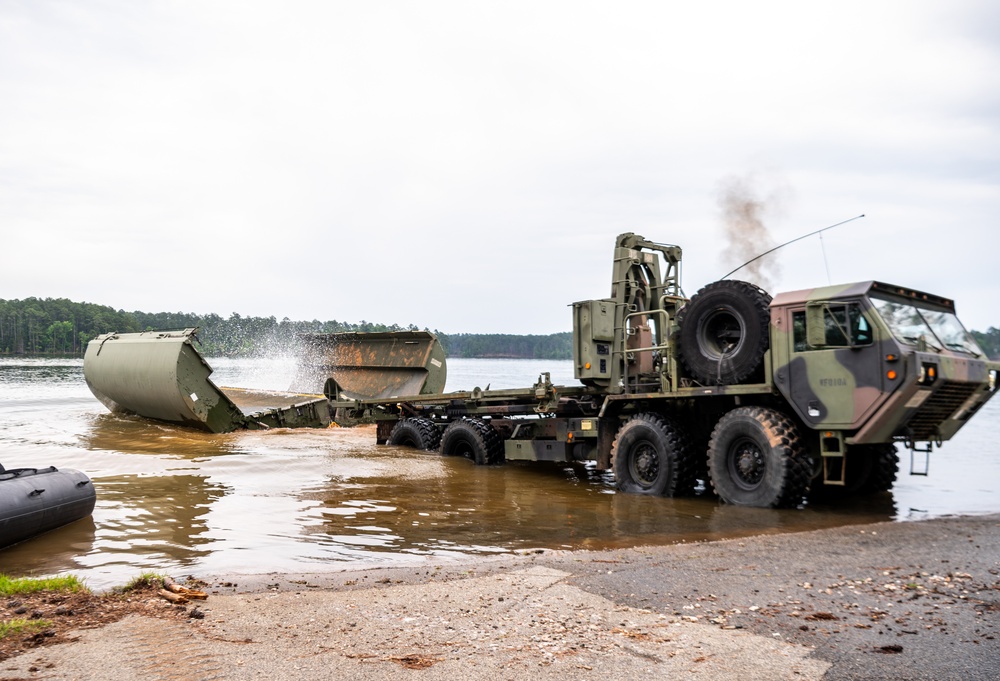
{"x": 468, "y": 508}
{"x": 167, "y": 516}
{"x": 184, "y": 502}
{"x": 136, "y": 435}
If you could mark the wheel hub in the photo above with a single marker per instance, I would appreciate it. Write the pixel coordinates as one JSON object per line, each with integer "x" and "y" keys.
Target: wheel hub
{"x": 721, "y": 334}
{"x": 747, "y": 464}
{"x": 645, "y": 465}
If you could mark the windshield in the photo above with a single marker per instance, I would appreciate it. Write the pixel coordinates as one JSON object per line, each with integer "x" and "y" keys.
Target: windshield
{"x": 910, "y": 323}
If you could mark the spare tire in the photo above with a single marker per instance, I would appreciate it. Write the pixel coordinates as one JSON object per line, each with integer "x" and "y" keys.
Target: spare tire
{"x": 724, "y": 332}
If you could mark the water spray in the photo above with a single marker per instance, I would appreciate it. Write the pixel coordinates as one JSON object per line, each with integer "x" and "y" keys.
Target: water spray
{"x": 798, "y": 238}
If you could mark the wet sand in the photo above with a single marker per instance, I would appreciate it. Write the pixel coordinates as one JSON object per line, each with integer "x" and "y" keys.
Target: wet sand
{"x": 918, "y": 600}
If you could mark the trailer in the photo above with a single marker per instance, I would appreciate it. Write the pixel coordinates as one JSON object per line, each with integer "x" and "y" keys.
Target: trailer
{"x": 762, "y": 400}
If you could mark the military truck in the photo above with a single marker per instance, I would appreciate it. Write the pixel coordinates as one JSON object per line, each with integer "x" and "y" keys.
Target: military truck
{"x": 761, "y": 400}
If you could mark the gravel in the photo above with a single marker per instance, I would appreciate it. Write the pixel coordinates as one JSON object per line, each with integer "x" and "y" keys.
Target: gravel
{"x": 913, "y": 600}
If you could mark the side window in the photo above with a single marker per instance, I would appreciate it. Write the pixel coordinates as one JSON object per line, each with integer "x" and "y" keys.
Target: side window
{"x": 838, "y": 326}
{"x": 861, "y": 330}
{"x": 799, "y": 342}
{"x": 835, "y": 319}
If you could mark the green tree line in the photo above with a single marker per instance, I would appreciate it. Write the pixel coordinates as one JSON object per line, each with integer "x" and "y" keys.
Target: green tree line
{"x": 37, "y": 326}
{"x": 989, "y": 341}
{"x": 554, "y": 346}
{"x": 57, "y": 326}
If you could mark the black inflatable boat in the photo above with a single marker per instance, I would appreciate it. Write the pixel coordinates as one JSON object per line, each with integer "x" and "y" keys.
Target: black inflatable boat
{"x": 36, "y": 500}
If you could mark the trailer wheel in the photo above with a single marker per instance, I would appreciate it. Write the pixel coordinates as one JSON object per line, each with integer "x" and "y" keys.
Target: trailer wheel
{"x": 647, "y": 453}
{"x": 724, "y": 332}
{"x": 474, "y": 439}
{"x": 416, "y": 432}
{"x": 756, "y": 458}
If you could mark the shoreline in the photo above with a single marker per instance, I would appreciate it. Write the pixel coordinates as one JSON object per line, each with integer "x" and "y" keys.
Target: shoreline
{"x": 914, "y": 600}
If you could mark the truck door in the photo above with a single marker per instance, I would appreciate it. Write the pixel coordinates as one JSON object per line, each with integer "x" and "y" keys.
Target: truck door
{"x": 835, "y": 373}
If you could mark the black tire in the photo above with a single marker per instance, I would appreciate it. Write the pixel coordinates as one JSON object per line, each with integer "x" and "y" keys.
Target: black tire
{"x": 690, "y": 462}
{"x": 474, "y": 439}
{"x": 724, "y": 332}
{"x": 756, "y": 458}
{"x": 870, "y": 469}
{"x": 648, "y": 454}
{"x": 879, "y": 470}
{"x": 416, "y": 432}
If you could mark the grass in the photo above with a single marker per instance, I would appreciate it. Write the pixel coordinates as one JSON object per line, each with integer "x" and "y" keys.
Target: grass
{"x": 11, "y": 586}
{"x": 34, "y": 590}
{"x": 14, "y": 586}
{"x": 21, "y": 625}
{"x": 146, "y": 579}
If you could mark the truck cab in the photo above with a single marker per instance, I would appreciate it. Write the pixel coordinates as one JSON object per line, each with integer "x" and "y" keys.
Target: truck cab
{"x": 877, "y": 363}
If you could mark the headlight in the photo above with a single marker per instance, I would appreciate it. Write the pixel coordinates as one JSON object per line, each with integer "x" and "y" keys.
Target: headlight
{"x": 927, "y": 374}
{"x": 993, "y": 380}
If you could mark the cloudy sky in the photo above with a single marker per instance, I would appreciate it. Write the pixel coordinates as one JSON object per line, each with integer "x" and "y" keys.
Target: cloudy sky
{"x": 466, "y": 166}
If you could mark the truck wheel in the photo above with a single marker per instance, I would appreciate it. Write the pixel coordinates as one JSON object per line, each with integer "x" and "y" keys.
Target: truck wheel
{"x": 870, "y": 469}
{"x": 647, "y": 453}
{"x": 880, "y": 471}
{"x": 756, "y": 458}
{"x": 692, "y": 465}
{"x": 724, "y": 332}
{"x": 416, "y": 432}
{"x": 474, "y": 439}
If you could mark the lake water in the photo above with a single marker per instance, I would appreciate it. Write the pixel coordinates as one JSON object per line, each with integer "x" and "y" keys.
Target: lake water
{"x": 182, "y": 502}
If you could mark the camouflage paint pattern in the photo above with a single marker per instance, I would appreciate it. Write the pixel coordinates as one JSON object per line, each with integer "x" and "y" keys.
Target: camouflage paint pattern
{"x": 874, "y": 389}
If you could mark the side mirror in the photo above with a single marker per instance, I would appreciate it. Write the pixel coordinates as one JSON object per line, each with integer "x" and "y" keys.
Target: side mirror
{"x": 815, "y": 325}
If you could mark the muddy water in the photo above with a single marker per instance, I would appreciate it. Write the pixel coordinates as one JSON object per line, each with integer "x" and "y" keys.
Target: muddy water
{"x": 182, "y": 502}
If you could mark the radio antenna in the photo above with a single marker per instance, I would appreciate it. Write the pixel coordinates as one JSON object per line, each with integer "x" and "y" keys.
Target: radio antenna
{"x": 798, "y": 238}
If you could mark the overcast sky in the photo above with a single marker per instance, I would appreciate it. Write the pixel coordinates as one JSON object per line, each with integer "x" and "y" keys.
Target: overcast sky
{"x": 466, "y": 166}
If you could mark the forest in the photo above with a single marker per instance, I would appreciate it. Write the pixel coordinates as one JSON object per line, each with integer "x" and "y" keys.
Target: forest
{"x": 61, "y": 327}
{"x": 58, "y": 326}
